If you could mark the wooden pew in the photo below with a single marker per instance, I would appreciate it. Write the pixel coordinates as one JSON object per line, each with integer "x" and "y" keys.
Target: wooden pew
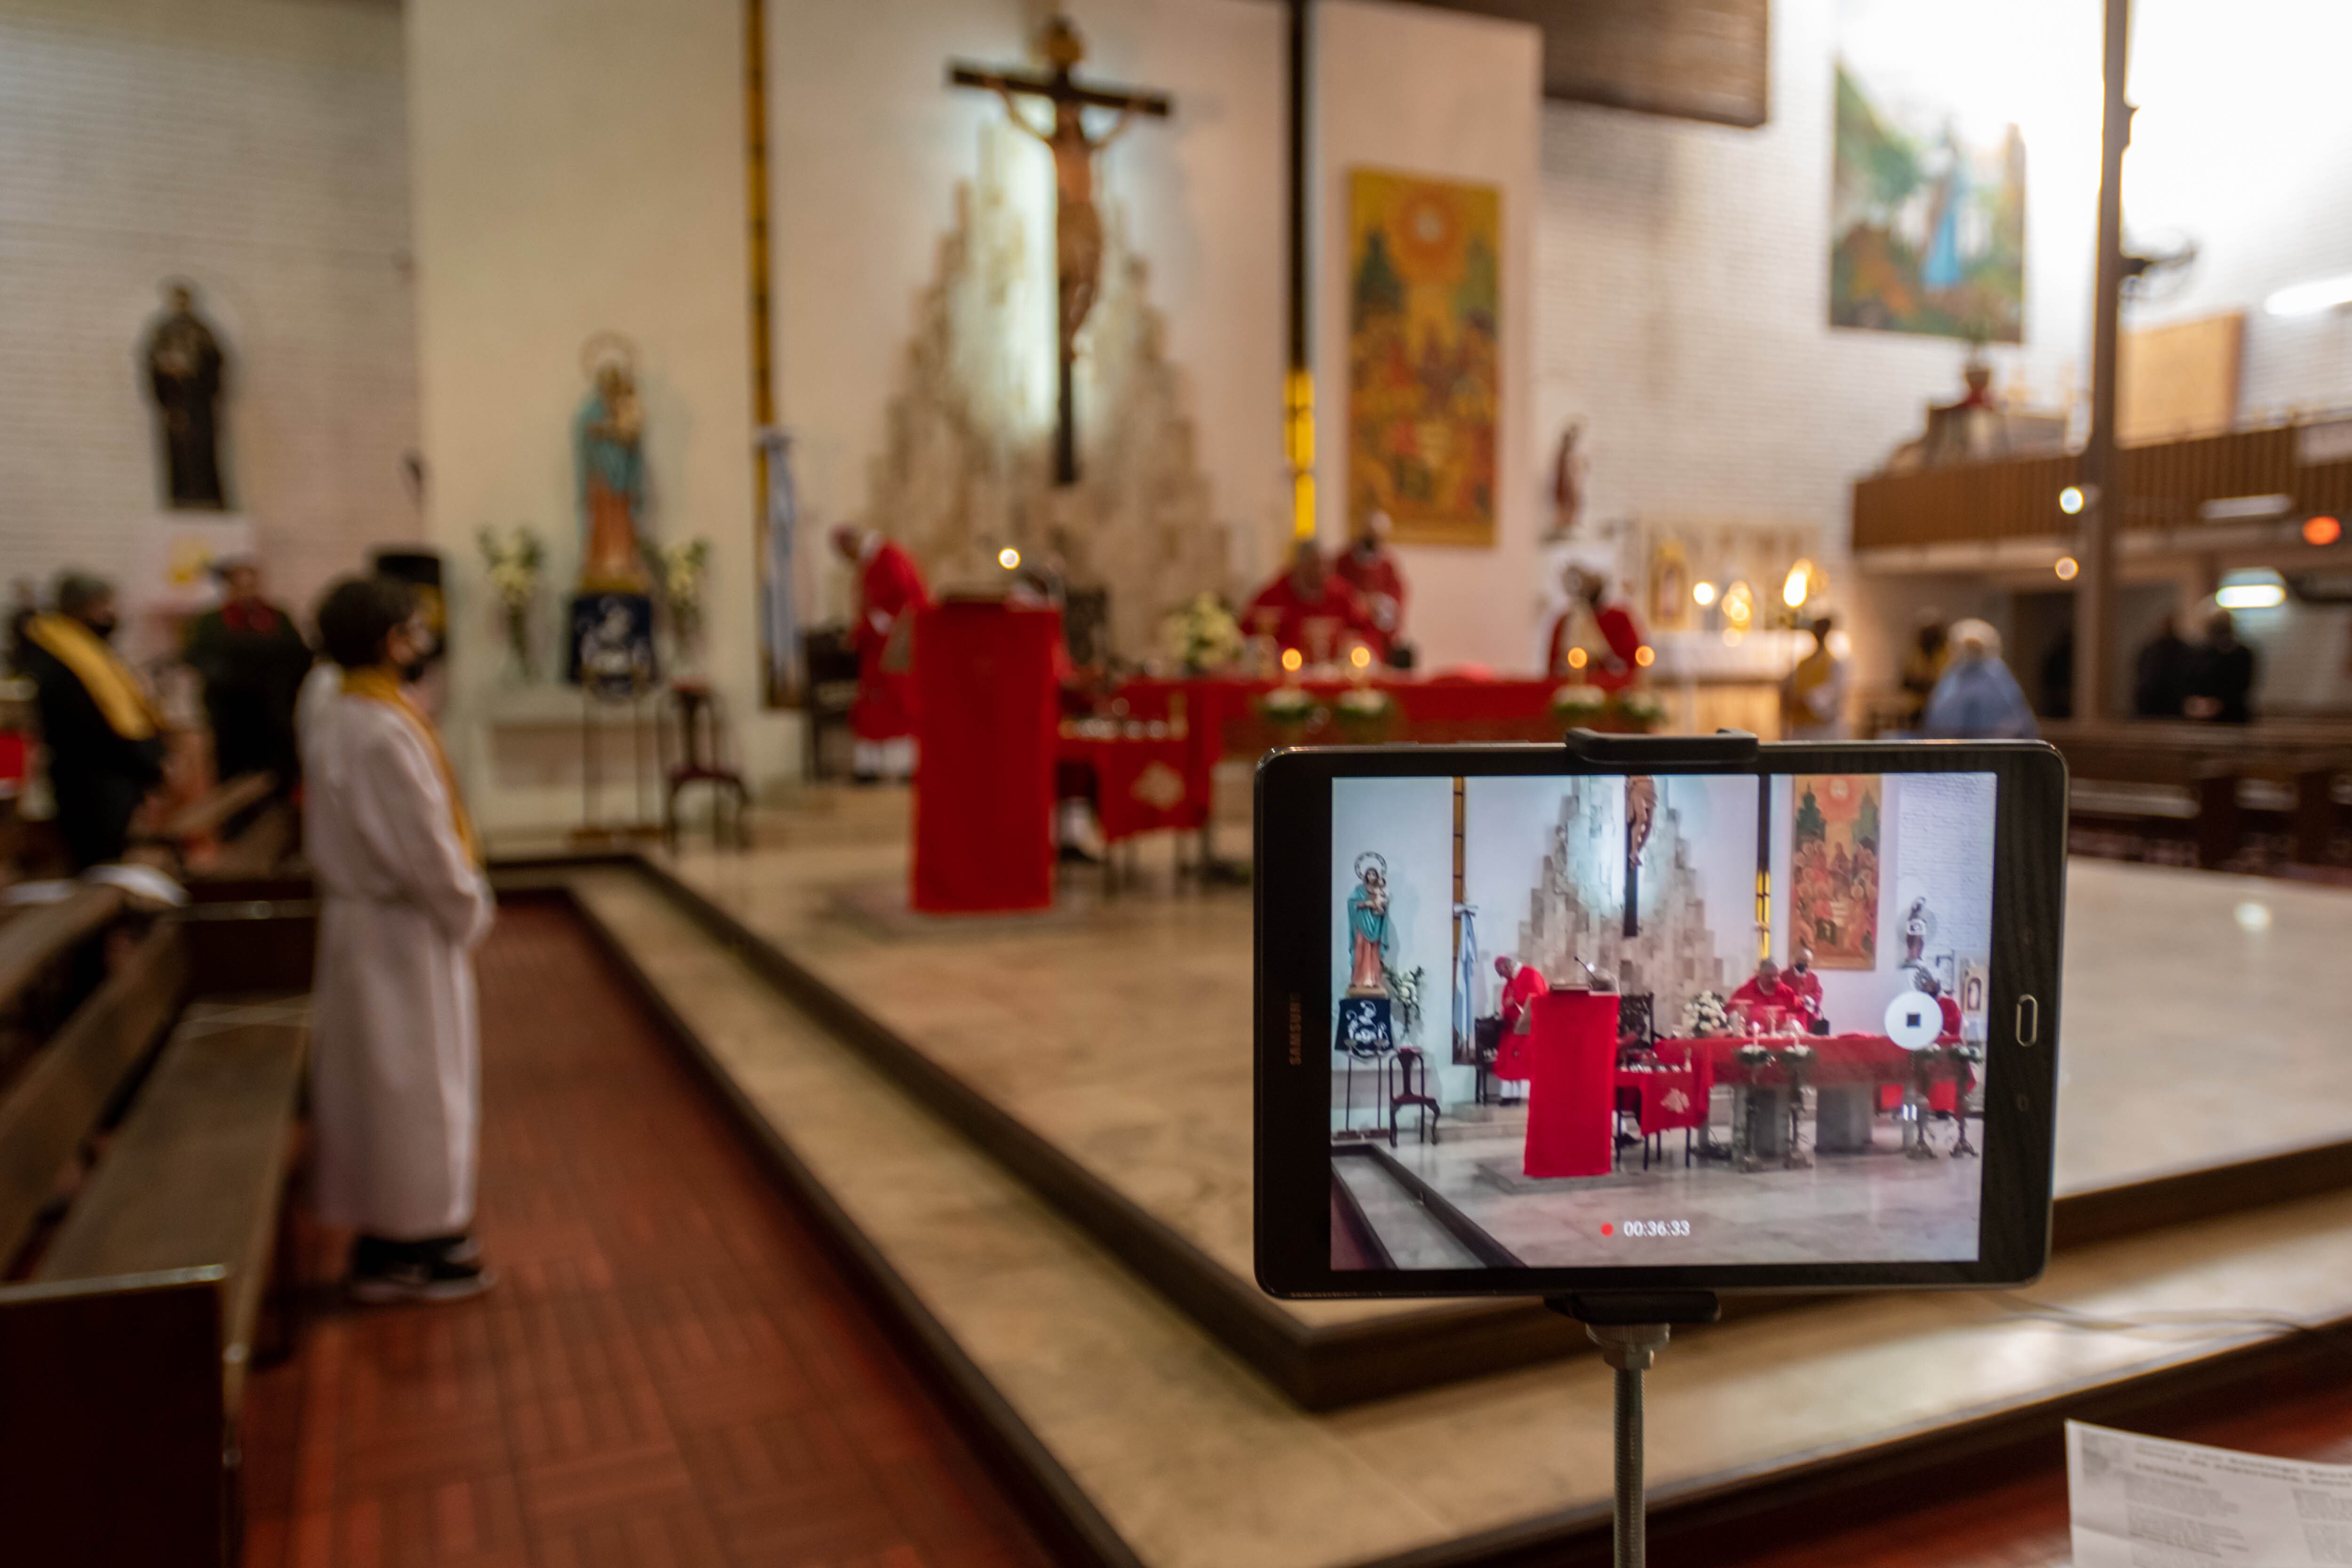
{"x": 193, "y": 1096}
{"x": 2213, "y": 762}
{"x": 192, "y": 834}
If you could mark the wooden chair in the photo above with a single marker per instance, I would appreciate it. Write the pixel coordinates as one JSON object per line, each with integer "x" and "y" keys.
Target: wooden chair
{"x": 1412, "y": 1091}
{"x": 702, "y": 751}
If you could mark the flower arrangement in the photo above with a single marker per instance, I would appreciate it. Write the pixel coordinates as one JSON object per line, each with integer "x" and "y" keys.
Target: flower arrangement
{"x": 1635, "y": 711}
{"x": 1703, "y": 1017}
{"x": 1201, "y": 636}
{"x": 514, "y": 559}
{"x": 1642, "y": 711}
{"x": 1364, "y": 713}
{"x": 1578, "y": 703}
{"x": 678, "y": 576}
{"x": 1406, "y": 989}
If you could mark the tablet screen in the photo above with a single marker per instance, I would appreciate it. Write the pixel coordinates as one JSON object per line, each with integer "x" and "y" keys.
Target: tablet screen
{"x": 1602, "y": 1021}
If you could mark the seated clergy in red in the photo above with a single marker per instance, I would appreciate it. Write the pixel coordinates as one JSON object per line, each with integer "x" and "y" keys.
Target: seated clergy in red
{"x": 1522, "y": 983}
{"x": 1925, "y": 980}
{"x": 1591, "y": 619}
{"x": 1767, "y": 989}
{"x": 1807, "y": 984}
{"x": 889, "y": 591}
{"x": 1309, "y": 609}
{"x": 1368, "y": 567}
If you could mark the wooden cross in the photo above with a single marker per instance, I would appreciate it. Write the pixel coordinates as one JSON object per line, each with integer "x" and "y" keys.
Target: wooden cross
{"x": 1077, "y": 225}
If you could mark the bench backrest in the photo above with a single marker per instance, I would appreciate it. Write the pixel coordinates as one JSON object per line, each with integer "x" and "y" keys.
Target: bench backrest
{"x": 64, "y": 1090}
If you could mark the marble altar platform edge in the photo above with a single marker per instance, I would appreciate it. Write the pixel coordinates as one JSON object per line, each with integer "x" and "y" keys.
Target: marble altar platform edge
{"x": 1153, "y": 1446}
{"x": 1328, "y": 1355}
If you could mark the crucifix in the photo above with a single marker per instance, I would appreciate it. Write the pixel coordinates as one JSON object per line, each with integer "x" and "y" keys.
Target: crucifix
{"x": 1077, "y": 226}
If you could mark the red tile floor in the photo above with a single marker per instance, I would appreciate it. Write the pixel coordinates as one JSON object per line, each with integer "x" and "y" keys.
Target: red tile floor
{"x": 672, "y": 1370}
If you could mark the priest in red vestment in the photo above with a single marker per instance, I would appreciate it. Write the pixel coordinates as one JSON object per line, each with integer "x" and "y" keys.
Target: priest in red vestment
{"x": 1522, "y": 983}
{"x": 1309, "y": 609}
{"x": 1765, "y": 989}
{"x": 1924, "y": 979}
{"x": 891, "y": 589}
{"x": 1367, "y": 566}
{"x": 1601, "y": 630}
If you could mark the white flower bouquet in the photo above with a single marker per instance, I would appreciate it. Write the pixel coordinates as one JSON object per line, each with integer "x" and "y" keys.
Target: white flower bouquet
{"x": 677, "y": 571}
{"x": 1577, "y": 703}
{"x": 1704, "y": 1016}
{"x": 514, "y": 559}
{"x": 1203, "y": 635}
{"x": 1642, "y": 710}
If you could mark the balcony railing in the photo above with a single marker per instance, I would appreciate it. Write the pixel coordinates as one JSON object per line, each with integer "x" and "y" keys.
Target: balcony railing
{"x": 2167, "y": 484}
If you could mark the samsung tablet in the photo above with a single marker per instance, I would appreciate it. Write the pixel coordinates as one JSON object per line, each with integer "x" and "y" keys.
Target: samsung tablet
{"x": 1628, "y": 1015}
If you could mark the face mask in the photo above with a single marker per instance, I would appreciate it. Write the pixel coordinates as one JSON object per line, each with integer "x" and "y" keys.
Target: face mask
{"x": 413, "y": 671}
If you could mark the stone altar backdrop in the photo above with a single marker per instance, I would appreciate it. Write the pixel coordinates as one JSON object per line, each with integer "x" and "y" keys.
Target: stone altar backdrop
{"x": 1575, "y": 909}
{"x": 966, "y": 467}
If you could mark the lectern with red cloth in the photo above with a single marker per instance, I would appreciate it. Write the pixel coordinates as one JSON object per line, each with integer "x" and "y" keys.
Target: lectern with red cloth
{"x": 987, "y": 715}
{"x": 1572, "y": 1092}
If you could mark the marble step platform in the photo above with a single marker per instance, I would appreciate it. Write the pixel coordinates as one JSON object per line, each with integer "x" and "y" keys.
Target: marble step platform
{"x": 1143, "y": 1439}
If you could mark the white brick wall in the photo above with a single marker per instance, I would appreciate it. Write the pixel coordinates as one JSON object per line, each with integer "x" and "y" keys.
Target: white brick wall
{"x": 260, "y": 148}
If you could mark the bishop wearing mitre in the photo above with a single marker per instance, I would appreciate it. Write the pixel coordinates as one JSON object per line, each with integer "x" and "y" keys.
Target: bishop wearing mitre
{"x": 396, "y": 1070}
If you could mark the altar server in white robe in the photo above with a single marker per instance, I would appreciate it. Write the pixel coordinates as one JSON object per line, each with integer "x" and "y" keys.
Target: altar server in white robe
{"x": 395, "y": 1074}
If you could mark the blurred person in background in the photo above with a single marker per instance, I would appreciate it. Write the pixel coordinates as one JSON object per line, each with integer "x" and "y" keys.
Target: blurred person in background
{"x": 101, "y": 729}
{"x": 252, "y": 660}
{"x": 1923, "y": 663}
{"x": 1370, "y": 567}
{"x": 2160, "y": 673}
{"x": 1977, "y": 699}
{"x": 1812, "y": 694}
{"x": 2222, "y": 675}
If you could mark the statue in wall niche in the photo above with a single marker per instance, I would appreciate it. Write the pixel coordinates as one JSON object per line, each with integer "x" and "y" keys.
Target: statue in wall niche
{"x": 186, "y": 376}
{"x": 608, "y": 446}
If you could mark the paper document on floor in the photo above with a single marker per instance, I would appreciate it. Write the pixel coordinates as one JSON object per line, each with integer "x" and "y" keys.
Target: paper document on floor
{"x": 2143, "y": 1502}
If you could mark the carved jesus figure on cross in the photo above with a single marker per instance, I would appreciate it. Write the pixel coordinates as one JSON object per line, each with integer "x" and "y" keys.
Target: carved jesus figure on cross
{"x": 1077, "y": 225}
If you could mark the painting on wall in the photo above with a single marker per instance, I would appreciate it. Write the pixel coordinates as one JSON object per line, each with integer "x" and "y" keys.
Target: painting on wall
{"x": 1424, "y": 355}
{"x": 1833, "y": 839}
{"x": 1927, "y": 215}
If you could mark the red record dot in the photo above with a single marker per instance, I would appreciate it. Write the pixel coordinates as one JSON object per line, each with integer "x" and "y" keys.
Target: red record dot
{"x": 1608, "y": 1229}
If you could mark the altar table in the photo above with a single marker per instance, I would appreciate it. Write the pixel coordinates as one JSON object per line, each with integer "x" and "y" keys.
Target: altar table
{"x": 1217, "y": 717}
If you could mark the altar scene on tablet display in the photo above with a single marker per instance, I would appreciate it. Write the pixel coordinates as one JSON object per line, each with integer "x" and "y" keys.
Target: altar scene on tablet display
{"x": 636, "y": 839}
{"x": 1642, "y": 1029}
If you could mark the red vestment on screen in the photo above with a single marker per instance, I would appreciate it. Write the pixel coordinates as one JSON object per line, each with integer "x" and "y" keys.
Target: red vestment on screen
{"x": 1782, "y": 995}
{"x": 1611, "y": 668}
{"x": 1807, "y": 987}
{"x": 889, "y": 586}
{"x": 1525, "y": 983}
{"x": 1380, "y": 585}
{"x": 1951, "y": 1017}
{"x": 1316, "y": 627}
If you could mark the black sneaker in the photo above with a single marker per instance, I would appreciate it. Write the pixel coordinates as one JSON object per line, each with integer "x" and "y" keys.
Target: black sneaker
{"x": 416, "y": 1277}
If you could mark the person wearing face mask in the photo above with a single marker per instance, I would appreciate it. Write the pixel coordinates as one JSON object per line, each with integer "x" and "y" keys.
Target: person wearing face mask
{"x": 103, "y": 735}
{"x": 1807, "y": 984}
{"x": 395, "y": 1078}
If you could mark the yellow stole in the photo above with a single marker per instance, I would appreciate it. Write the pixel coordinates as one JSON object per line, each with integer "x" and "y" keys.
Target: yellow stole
{"x": 379, "y": 684}
{"x": 120, "y": 697}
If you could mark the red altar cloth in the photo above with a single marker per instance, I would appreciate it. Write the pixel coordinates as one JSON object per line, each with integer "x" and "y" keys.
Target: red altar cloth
{"x": 1572, "y": 1094}
{"x": 987, "y": 713}
{"x": 1672, "y": 1099}
{"x": 1838, "y": 1059}
{"x": 1139, "y": 780}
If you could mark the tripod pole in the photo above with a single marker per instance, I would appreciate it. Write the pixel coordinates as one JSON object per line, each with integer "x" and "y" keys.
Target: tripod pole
{"x": 1629, "y": 1349}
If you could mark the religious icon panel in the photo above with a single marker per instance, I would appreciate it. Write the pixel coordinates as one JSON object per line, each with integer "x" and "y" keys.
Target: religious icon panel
{"x": 1424, "y": 355}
